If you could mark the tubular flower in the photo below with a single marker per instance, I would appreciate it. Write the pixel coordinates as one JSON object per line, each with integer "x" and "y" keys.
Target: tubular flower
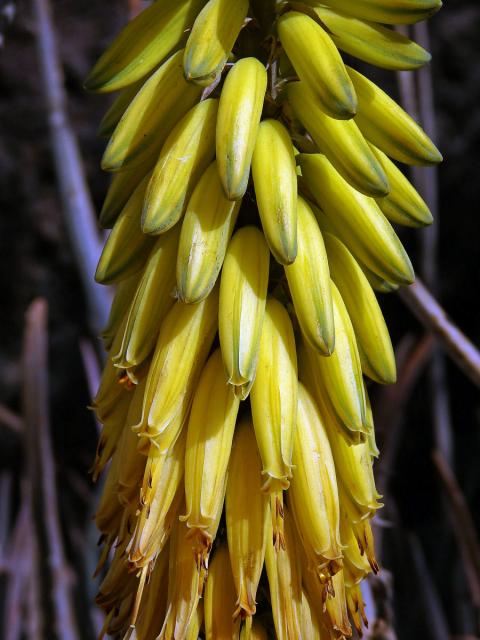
{"x": 252, "y": 210}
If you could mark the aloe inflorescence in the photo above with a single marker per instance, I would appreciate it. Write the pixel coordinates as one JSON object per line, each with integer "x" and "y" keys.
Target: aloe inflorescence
{"x": 251, "y": 207}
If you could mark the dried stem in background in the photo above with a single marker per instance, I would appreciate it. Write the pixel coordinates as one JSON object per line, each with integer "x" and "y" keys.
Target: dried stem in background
{"x": 416, "y": 93}
{"x": 434, "y": 318}
{"x": 412, "y": 358}
{"x": 427, "y": 591}
{"x": 19, "y": 561}
{"x": 53, "y": 569}
{"x": 10, "y": 419}
{"x": 92, "y": 370}
{"x": 5, "y": 507}
{"x": 463, "y": 527}
{"x": 78, "y": 209}
{"x": 34, "y": 613}
{"x": 426, "y": 178}
{"x": 134, "y": 7}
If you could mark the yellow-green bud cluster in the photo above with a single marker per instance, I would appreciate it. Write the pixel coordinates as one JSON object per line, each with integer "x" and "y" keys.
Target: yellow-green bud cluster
{"x": 251, "y": 210}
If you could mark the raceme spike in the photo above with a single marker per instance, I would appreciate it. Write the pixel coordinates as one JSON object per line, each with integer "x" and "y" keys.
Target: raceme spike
{"x": 252, "y": 211}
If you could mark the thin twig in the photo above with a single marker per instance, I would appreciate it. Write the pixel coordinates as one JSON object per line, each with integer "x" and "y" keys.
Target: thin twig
{"x": 77, "y": 205}
{"x": 34, "y": 622}
{"x": 92, "y": 371}
{"x": 463, "y": 526}
{"x": 416, "y": 94}
{"x": 426, "y": 181}
{"x": 134, "y": 8}
{"x": 427, "y": 310}
{"x": 428, "y": 593}
{"x": 406, "y": 86}
{"x": 390, "y": 403}
{"x": 41, "y": 468}
{"x": 10, "y": 419}
{"x": 5, "y": 505}
{"x": 19, "y": 565}
{"x": 381, "y": 625}
{"x": 442, "y": 415}
{"x": 426, "y": 178}
{"x": 91, "y": 366}
{"x": 412, "y": 358}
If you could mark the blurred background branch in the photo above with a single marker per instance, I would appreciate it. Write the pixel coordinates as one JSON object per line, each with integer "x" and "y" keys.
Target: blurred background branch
{"x": 77, "y": 205}
{"x": 434, "y": 318}
{"x": 51, "y": 575}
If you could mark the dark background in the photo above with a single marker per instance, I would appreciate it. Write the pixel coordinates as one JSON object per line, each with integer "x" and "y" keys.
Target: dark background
{"x": 430, "y": 599}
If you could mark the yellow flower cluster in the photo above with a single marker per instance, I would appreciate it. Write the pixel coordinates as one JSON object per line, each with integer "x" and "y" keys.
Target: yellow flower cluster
{"x": 251, "y": 211}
